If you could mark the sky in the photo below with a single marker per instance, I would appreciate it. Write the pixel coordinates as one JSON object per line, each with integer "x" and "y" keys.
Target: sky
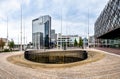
{"x": 74, "y": 16}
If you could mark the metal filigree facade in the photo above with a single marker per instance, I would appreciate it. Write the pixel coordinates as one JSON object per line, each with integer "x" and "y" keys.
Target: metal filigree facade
{"x": 109, "y": 19}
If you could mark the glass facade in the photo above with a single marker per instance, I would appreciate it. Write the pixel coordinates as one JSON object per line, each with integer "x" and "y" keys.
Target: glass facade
{"x": 41, "y": 32}
{"x": 107, "y": 26}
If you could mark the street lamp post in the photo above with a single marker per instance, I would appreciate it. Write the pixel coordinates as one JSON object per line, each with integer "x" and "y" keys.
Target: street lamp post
{"x": 7, "y": 30}
{"x": 21, "y": 28}
{"x": 24, "y": 36}
{"x": 61, "y": 28}
{"x": 88, "y": 28}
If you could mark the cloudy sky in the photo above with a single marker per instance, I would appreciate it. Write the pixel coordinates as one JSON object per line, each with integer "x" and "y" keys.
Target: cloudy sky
{"x": 74, "y": 16}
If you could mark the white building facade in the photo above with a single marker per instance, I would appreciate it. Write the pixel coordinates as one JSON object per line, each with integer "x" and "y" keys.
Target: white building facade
{"x": 67, "y": 40}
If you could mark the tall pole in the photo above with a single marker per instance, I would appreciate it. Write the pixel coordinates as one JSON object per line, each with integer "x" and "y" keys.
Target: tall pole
{"x": 21, "y": 28}
{"x": 67, "y": 38}
{"x": 24, "y": 35}
{"x": 84, "y": 39}
{"x": 7, "y": 30}
{"x": 26, "y": 39}
{"x": 61, "y": 27}
{"x": 88, "y": 28}
{"x": 18, "y": 41}
{"x": 57, "y": 41}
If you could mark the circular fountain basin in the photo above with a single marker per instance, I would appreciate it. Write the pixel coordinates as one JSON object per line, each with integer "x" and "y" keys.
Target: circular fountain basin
{"x": 55, "y": 57}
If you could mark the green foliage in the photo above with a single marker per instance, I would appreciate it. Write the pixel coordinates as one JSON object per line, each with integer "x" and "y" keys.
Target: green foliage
{"x": 80, "y": 42}
{"x": 11, "y": 44}
{"x": 75, "y": 43}
{"x": 64, "y": 45}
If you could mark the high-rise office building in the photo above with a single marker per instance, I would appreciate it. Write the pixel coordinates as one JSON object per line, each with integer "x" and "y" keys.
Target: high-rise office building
{"x": 53, "y": 36}
{"x": 41, "y": 32}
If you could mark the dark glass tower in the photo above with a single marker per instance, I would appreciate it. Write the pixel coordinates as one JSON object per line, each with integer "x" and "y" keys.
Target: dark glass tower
{"x": 41, "y": 32}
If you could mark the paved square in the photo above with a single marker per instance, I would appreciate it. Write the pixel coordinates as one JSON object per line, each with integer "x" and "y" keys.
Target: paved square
{"x": 106, "y": 68}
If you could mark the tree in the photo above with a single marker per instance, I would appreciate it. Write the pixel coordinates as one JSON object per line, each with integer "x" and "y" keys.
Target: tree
{"x": 80, "y": 43}
{"x": 64, "y": 45}
{"x": 11, "y": 44}
{"x": 75, "y": 43}
{"x": 2, "y": 43}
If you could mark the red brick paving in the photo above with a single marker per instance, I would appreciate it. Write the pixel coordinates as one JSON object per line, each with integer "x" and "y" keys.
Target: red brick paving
{"x": 110, "y": 50}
